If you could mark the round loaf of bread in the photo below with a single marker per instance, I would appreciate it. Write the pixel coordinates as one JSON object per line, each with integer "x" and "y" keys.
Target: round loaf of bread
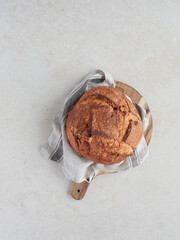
{"x": 104, "y": 126}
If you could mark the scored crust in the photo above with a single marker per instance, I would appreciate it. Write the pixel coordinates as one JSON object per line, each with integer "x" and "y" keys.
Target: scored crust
{"x": 104, "y": 126}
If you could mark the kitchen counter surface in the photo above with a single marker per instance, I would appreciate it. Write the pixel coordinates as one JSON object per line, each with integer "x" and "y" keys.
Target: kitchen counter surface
{"x": 46, "y": 47}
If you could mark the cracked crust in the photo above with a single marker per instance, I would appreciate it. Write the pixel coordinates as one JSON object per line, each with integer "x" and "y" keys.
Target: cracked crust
{"x": 104, "y": 126}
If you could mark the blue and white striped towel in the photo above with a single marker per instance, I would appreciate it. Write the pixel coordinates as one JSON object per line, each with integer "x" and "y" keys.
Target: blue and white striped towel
{"x": 75, "y": 167}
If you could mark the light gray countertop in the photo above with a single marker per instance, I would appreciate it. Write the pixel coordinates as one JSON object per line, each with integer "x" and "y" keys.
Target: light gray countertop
{"x": 46, "y": 47}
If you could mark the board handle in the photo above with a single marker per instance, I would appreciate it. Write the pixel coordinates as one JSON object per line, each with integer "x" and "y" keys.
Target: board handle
{"x": 79, "y": 190}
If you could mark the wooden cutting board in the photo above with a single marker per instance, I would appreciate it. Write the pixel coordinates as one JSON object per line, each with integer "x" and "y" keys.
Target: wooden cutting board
{"x": 79, "y": 189}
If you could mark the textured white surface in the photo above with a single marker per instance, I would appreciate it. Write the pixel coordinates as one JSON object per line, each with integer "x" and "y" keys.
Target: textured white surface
{"x": 45, "y": 48}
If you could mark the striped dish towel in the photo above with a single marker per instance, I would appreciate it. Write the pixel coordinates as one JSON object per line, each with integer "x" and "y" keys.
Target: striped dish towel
{"x": 58, "y": 149}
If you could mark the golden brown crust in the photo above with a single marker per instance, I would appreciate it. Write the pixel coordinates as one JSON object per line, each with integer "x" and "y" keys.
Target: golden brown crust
{"x": 104, "y": 126}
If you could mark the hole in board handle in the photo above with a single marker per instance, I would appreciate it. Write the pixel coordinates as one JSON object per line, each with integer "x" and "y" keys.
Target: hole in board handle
{"x": 78, "y": 190}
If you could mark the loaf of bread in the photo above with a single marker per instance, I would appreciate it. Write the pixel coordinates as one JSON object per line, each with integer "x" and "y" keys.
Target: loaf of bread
{"x": 104, "y": 126}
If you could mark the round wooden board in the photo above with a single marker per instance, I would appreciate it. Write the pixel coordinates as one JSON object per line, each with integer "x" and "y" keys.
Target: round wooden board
{"x": 79, "y": 189}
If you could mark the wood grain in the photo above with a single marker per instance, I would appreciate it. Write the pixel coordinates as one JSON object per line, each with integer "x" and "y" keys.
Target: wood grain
{"x": 79, "y": 189}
